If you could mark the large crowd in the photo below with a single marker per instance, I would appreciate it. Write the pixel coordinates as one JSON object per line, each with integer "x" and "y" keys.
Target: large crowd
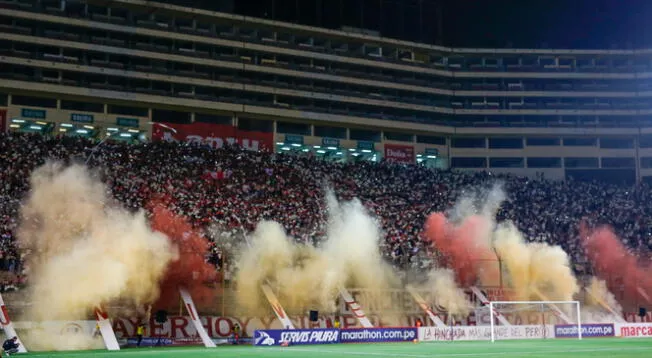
{"x": 233, "y": 189}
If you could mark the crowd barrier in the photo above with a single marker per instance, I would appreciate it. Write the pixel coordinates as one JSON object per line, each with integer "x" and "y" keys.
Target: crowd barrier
{"x": 178, "y": 332}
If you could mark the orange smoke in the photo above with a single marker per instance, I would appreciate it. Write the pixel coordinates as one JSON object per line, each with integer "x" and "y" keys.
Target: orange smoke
{"x": 191, "y": 269}
{"x": 466, "y": 248}
{"x": 614, "y": 264}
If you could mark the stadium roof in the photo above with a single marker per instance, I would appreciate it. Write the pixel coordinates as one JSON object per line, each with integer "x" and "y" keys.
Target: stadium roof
{"x": 582, "y": 24}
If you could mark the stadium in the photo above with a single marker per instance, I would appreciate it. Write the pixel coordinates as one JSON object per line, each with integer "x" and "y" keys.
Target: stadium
{"x": 285, "y": 178}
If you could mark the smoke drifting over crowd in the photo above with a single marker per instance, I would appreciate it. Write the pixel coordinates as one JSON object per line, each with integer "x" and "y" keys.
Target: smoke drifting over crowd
{"x": 83, "y": 251}
{"x": 190, "y": 269}
{"x": 309, "y": 277}
{"x": 614, "y": 264}
{"x": 473, "y": 245}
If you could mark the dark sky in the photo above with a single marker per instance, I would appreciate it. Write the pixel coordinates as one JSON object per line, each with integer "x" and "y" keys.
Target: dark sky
{"x": 476, "y": 23}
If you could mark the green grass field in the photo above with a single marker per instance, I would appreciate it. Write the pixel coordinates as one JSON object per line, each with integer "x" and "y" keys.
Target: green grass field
{"x": 594, "y": 348}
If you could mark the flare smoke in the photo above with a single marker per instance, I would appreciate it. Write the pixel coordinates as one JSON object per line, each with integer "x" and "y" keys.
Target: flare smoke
{"x": 471, "y": 248}
{"x": 310, "y": 278}
{"x": 82, "y": 251}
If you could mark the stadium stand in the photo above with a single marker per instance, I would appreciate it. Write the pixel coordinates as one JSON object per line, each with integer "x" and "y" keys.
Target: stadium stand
{"x": 546, "y": 122}
{"x": 236, "y": 188}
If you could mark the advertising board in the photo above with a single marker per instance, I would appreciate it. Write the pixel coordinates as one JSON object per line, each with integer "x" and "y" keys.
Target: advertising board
{"x": 634, "y": 330}
{"x": 378, "y": 335}
{"x": 275, "y": 337}
{"x": 588, "y": 330}
{"x": 479, "y": 333}
{"x": 399, "y": 153}
{"x": 213, "y": 135}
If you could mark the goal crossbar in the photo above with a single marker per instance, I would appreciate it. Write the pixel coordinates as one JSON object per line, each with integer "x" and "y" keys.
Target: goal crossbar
{"x": 552, "y": 304}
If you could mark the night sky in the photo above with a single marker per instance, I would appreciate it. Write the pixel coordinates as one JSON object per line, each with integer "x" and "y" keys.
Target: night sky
{"x": 471, "y": 23}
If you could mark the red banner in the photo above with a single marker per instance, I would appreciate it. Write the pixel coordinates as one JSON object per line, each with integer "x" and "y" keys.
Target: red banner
{"x": 399, "y": 153}
{"x": 3, "y": 120}
{"x": 214, "y": 135}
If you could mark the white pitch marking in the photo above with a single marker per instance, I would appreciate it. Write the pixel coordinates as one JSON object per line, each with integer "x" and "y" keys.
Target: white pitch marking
{"x": 478, "y": 354}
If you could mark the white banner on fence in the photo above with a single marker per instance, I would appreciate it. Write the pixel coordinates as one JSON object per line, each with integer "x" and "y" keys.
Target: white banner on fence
{"x": 355, "y": 308}
{"x": 634, "y": 330}
{"x": 480, "y": 333}
{"x": 106, "y": 329}
{"x": 194, "y": 316}
{"x": 276, "y": 306}
{"x": 424, "y": 306}
{"x": 8, "y": 326}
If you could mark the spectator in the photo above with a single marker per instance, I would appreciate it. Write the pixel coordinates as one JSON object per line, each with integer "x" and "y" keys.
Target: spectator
{"x": 235, "y": 189}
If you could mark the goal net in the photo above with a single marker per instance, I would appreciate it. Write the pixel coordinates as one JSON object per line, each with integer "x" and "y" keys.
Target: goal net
{"x": 533, "y": 319}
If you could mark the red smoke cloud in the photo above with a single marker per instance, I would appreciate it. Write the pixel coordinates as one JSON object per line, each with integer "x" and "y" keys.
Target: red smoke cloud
{"x": 464, "y": 248}
{"x": 613, "y": 264}
{"x": 190, "y": 270}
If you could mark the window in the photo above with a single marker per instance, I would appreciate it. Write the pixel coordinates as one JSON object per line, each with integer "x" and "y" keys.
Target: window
{"x": 645, "y": 141}
{"x": 617, "y": 143}
{"x": 212, "y": 118}
{"x": 366, "y": 135}
{"x": 293, "y": 128}
{"x": 581, "y": 162}
{"x": 506, "y": 162}
{"x": 82, "y": 106}
{"x": 505, "y": 143}
{"x": 128, "y": 111}
{"x": 544, "y": 162}
{"x": 618, "y": 162}
{"x": 543, "y": 142}
{"x": 469, "y": 162}
{"x": 34, "y": 101}
{"x": 646, "y": 162}
{"x": 401, "y": 137}
{"x": 580, "y": 142}
{"x": 431, "y": 140}
{"x": 469, "y": 142}
{"x": 160, "y": 115}
{"x": 255, "y": 125}
{"x": 330, "y": 132}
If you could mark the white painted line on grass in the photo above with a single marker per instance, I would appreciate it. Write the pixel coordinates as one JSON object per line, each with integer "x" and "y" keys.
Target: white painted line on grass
{"x": 478, "y": 354}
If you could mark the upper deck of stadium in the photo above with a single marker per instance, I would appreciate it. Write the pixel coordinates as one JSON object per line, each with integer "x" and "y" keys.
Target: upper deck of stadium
{"x": 157, "y": 49}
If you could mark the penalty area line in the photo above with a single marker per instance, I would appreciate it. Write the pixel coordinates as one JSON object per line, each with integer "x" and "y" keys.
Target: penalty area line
{"x": 477, "y": 354}
{"x": 122, "y": 352}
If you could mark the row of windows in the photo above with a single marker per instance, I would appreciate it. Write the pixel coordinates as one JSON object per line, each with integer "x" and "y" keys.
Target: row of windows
{"x": 123, "y": 40}
{"x": 323, "y": 106}
{"x": 549, "y": 162}
{"x": 645, "y": 141}
{"x": 371, "y": 135}
{"x": 31, "y": 101}
{"x": 259, "y": 125}
{"x": 376, "y": 109}
{"x": 184, "y": 22}
{"x": 139, "y": 64}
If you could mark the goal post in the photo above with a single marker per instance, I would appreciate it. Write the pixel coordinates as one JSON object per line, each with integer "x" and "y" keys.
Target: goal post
{"x": 527, "y": 314}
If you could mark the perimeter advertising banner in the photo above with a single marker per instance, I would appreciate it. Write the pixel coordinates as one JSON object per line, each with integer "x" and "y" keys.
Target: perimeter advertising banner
{"x": 479, "y": 333}
{"x": 588, "y": 330}
{"x": 399, "y": 153}
{"x": 213, "y": 135}
{"x": 634, "y": 330}
{"x": 275, "y": 337}
{"x": 378, "y": 335}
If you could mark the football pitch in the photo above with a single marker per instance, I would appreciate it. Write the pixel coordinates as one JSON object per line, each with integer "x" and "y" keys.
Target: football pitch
{"x": 594, "y": 348}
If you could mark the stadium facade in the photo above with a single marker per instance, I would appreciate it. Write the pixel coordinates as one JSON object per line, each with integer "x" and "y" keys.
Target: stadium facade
{"x": 95, "y": 67}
